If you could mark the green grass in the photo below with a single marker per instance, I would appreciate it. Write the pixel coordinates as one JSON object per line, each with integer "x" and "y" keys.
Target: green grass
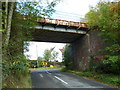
{"x": 14, "y": 82}
{"x": 113, "y": 80}
{"x": 43, "y": 68}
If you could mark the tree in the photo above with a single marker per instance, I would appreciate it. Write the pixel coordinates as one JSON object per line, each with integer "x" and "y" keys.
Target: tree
{"x": 7, "y": 14}
{"x": 8, "y": 22}
{"x": 105, "y": 18}
{"x": 47, "y": 55}
{"x": 30, "y": 11}
{"x": 67, "y": 59}
{"x": 55, "y": 55}
{"x": 40, "y": 60}
{"x": 18, "y": 20}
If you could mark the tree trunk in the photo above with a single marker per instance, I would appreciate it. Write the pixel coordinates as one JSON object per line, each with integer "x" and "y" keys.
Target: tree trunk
{"x": 6, "y": 12}
{"x": 0, "y": 45}
{"x": 9, "y": 23}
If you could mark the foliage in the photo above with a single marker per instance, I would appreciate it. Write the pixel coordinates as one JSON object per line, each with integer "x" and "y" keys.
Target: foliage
{"x": 43, "y": 68}
{"x": 47, "y": 55}
{"x": 40, "y": 60}
{"x": 54, "y": 55}
{"x": 15, "y": 71}
{"x": 33, "y": 63}
{"x": 67, "y": 60}
{"x": 50, "y": 55}
{"x": 17, "y": 81}
{"x": 110, "y": 65}
{"x": 19, "y": 65}
{"x": 113, "y": 49}
{"x": 104, "y": 78}
{"x": 15, "y": 64}
{"x": 105, "y": 17}
{"x": 92, "y": 63}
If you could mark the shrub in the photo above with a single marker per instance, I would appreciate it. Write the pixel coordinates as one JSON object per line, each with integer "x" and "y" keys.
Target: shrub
{"x": 111, "y": 65}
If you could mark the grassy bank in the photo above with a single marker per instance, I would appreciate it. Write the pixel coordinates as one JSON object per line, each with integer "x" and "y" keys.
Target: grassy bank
{"x": 43, "y": 68}
{"x": 15, "y": 82}
{"x": 113, "y": 80}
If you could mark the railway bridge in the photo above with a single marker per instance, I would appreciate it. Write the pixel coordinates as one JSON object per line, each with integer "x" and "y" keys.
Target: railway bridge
{"x": 83, "y": 41}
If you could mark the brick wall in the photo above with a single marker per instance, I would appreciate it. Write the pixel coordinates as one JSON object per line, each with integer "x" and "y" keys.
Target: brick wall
{"x": 84, "y": 47}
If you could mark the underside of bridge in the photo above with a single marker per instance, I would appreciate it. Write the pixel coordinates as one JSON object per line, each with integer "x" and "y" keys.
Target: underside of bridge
{"x": 53, "y": 36}
{"x": 57, "y": 33}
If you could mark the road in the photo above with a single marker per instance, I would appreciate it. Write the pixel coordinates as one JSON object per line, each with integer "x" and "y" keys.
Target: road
{"x": 54, "y": 78}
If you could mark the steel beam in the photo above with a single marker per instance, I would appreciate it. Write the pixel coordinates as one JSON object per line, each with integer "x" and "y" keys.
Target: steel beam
{"x": 60, "y": 29}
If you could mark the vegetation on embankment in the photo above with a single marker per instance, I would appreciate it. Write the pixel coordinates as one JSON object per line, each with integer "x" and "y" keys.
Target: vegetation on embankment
{"x": 18, "y": 22}
{"x": 43, "y": 68}
{"x": 110, "y": 79}
{"x": 16, "y": 74}
{"x": 103, "y": 18}
{"x": 17, "y": 82}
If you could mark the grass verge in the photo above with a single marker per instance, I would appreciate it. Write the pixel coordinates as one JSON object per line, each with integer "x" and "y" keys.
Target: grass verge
{"x": 43, "y": 68}
{"x": 113, "y": 80}
{"x": 14, "y": 82}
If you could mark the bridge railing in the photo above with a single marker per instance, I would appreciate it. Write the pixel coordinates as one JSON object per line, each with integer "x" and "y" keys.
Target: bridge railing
{"x": 63, "y": 22}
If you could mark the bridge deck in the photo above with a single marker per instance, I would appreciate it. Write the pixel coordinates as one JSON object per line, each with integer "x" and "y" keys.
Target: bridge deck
{"x": 50, "y": 30}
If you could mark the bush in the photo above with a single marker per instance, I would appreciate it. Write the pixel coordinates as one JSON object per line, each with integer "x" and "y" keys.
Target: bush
{"x": 14, "y": 70}
{"x": 67, "y": 61}
{"x": 111, "y": 65}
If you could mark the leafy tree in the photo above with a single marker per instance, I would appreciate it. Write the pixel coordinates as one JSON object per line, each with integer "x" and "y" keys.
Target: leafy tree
{"x": 105, "y": 18}
{"x": 40, "y": 60}
{"x": 8, "y": 21}
{"x": 47, "y": 55}
{"x": 18, "y": 20}
{"x": 54, "y": 55}
{"x": 67, "y": 59}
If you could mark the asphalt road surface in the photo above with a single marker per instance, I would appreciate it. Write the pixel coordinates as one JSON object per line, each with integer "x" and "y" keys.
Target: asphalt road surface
{"x": 54, "y": 78}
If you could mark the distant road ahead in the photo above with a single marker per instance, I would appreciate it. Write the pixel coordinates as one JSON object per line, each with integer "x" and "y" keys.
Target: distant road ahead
{"x": 54, "y": 78}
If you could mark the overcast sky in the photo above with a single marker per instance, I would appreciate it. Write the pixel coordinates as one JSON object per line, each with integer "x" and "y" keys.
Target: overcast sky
{"x": 71, "y": 10}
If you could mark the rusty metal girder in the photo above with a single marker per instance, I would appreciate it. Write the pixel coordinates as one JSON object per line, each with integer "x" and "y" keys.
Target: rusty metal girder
{"x": 62, "y": 22}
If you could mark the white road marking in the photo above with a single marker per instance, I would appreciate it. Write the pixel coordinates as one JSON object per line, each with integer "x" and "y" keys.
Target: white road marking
{"x": 60, "y": 79}
{"x": 48, "y": 72}
{"x": 60, "y": 75}
{"x": 41, "y": 75}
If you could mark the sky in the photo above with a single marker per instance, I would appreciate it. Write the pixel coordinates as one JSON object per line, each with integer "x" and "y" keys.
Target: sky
{"x": 36, "y": 49}
{"x": 71, "y": 10}
{"x": 74, "y": 10}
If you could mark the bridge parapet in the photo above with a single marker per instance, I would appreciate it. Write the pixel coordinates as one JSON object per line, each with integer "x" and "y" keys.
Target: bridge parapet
{"x": 63, "y": 22}
{"x": 54, "y": 30}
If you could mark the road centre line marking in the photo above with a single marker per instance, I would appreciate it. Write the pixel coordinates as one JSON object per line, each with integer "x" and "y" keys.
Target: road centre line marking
{"x": 60, "y": 79}
{"x": 41, "y": 75}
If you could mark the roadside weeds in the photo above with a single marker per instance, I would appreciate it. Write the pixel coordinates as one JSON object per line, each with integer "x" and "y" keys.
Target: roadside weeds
{"x": 110, "y": 79}
{"x": 43, "y": 68}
